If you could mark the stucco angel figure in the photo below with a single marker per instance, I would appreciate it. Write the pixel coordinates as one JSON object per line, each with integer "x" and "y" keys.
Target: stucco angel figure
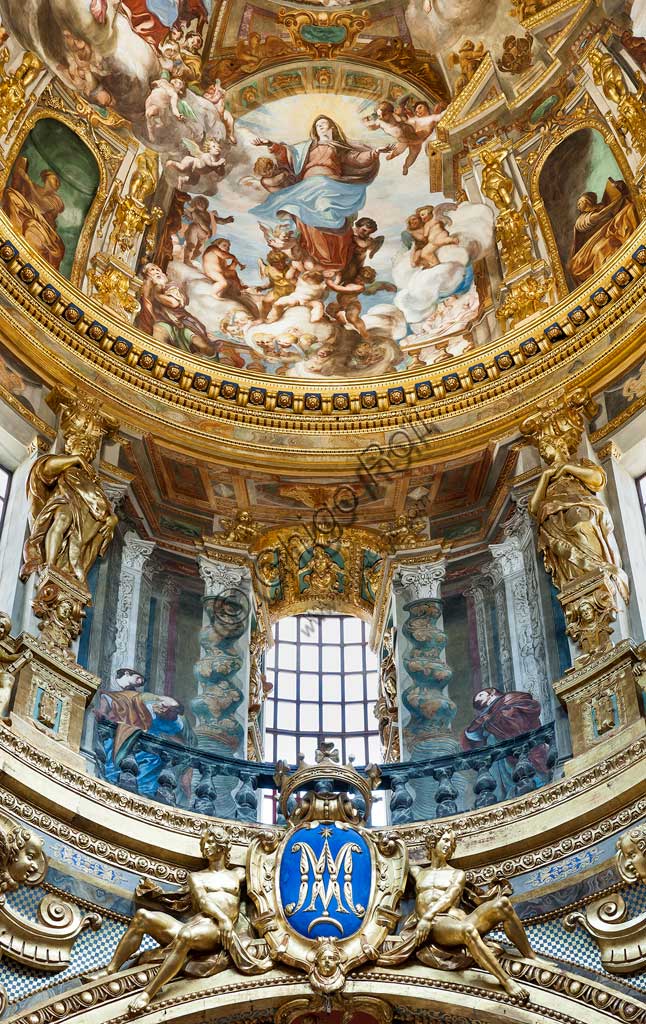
{"x": 451, "y": 921}
{"x": 205, "y": 943}
{"x": 72, "y": 519}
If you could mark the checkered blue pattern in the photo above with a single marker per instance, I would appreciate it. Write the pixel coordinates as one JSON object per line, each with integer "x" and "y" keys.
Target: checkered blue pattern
{"x": 91, "y": 950}
{"x": 550, "y": 939}
{"x": 94, "y": 949}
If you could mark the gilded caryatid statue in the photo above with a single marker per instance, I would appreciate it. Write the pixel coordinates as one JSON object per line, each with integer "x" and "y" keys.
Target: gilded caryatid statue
{"x": 72, "y": 521}
{"x": 575, "y": 529}
{"x": 451, "y": 921}
{"x": 205, "y": 943}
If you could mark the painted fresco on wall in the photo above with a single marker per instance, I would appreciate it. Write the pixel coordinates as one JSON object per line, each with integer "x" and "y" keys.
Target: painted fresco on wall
{"x": 19, "y": 380}
{"x": 133, "y": 711}
{"x": 588, "y": 203}
{"x": 304, "y": 264}
{"x": 50, "y": 190}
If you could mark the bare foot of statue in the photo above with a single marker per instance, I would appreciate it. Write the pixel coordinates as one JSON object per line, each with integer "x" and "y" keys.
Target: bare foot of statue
{"x": 104, "y": 972}
{"x": 139, "y": 1003}
{"x": 516, "y": 991}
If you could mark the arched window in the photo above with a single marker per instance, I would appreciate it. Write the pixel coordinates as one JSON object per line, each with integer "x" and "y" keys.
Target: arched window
{"x": 325, "y": 684}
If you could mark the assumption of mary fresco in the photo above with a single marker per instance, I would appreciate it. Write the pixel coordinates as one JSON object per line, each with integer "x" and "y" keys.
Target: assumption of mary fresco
{"x": 330, "y": 189}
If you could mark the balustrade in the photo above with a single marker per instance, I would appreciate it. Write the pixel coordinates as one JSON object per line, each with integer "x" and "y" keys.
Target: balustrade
{"x": 190, "y": 778}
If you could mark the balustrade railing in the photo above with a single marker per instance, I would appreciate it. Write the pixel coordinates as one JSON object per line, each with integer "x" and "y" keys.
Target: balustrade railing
{"x": 194, "y": 779}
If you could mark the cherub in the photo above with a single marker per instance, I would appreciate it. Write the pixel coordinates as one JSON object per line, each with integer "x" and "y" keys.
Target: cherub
{"x": 277, "y": 271}
{"x": 404, "y": 134}
{"x": 309, "y": 292}
{"x": 219, "y": 264}
{"x": 423, "y": 120}
{"x": 166, "y": 96}
{"x": 347, "y": 307}
{"x": 170, "y": 58}
{"x": 190, "y": 169}
{"x": 364, "y": 244}
{"x": 216, "y": 95}
{"x": 283, "y": 239}
{"x": 469, "y": 58}
{"x": 434, "y": 235}
{"x": 271, "y": 174}
{"x": 202, "y": 226}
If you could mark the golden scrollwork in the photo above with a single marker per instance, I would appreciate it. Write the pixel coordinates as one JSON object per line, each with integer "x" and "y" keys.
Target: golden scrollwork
{"x": 13, "y": 86}
{"x": 72, "y": 521}
{"x": 451, "y": 920}
{"x": 323, "y": 33}
{"x": 575, "y": 529}
{"x": 630, "y": 119}
{"x": 239, "y": 532}
{"x": 209, "y": 940}
{"x": 44, "y": 944}
{"x": 386, "y": 709}
{"x": 112, "y": 286}
{"x": 522, "y": 299}
{"x": 621, "y": 939}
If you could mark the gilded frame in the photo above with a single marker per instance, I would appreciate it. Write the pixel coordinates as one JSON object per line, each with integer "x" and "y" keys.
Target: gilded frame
{"x": 563, "y": 289}
{"x": 81, "y": 130}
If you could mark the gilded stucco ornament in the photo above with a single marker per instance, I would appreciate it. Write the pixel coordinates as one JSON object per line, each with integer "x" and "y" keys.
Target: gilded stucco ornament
{"x": 621, "y": 939}
{"x": 44, "y": 944}
{"x": 451, "y": 920}
{"x": 72, "y": 521}
{"x": 208, "y": 942}
{"x": 327, "y": 893}
{"x": 13, "y": 86}
{"x": 7, "y": 678}
{"x": 575, "y": 529}
{"x": 630, "y": 119}
{"x": 131, "y": 214}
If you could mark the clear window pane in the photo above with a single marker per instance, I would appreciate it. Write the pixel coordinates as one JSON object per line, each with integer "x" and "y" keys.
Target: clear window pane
{"x": 286, "y": 716}
{"x": 286, "y": 629}
{"x": 331, "y": 689}
{"x": 331, "y": 630}
{"x": 286, "y": 685}
{"x": 288, "y": 653}
{"x": 310, "y": 718}
{"x": 354, "y": 687}
{"x": 331, "y": 659}
{"x": 325, "y": 683}
{"x": 309, "y": 688}
{"x": 353, "y": 657}
{"x": 353, "y": 631}
{"x": 332, "y": 718}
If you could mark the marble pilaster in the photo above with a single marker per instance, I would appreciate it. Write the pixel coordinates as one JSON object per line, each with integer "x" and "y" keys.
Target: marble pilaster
{"x": 513, "y": 571}
{"x": 135, "y": 556}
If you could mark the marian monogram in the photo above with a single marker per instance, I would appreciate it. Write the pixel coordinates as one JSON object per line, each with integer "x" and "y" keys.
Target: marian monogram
{"x": 325, "y": 879}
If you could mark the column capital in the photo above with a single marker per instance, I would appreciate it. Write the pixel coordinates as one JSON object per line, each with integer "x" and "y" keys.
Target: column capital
{"x": 423, "y": 580}
{"x": 136, "y": 551}
{"x": 219, "y": 576}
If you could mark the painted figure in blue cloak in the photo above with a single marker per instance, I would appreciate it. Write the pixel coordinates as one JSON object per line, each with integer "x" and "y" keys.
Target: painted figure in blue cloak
{"x": 321, "y": 184}
{"x": 134, "y": 712}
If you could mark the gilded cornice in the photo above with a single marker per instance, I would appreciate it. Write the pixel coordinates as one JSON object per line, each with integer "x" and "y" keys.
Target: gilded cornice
{"x": 578, "y": 999}
{"x": 523, "y": 363}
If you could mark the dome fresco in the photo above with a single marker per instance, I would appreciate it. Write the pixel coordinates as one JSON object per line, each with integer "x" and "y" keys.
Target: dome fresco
{"x": 325, "y": 190}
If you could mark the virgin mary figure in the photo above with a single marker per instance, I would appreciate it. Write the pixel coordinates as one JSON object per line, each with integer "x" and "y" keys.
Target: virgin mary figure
{"x": 321, "y": 183}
